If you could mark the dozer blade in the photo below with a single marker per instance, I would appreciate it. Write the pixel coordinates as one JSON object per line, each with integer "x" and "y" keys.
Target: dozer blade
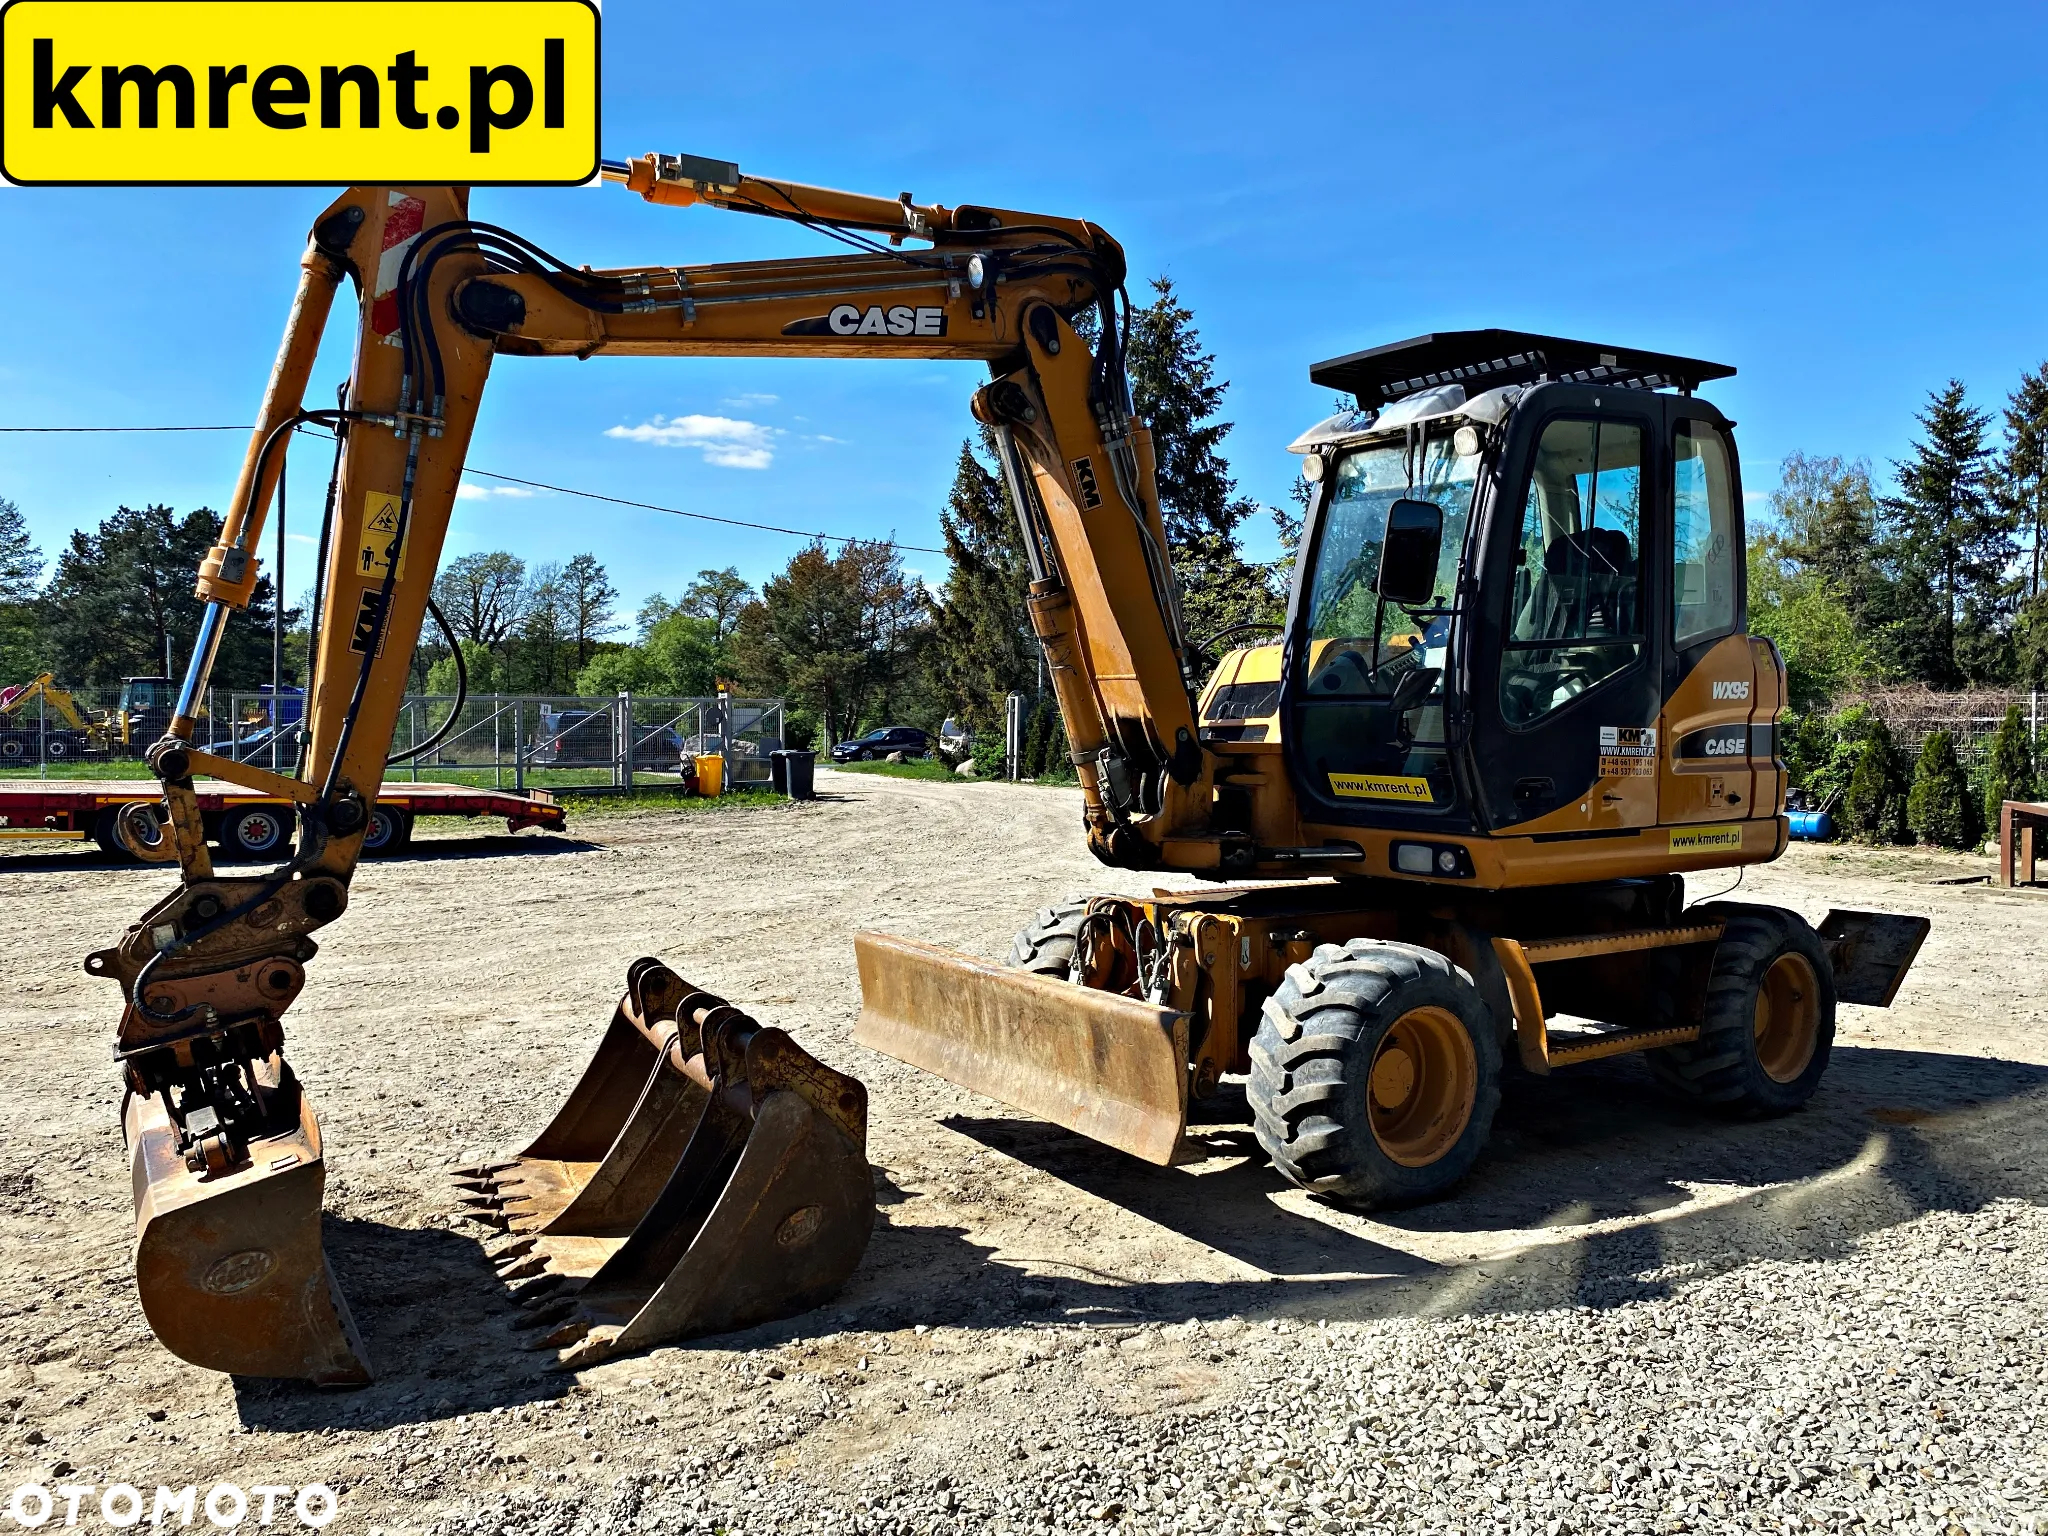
{"x": 706, "y": 1174}
{"x": 1105, "y": 1065}
{"x": 229, "y": 1264}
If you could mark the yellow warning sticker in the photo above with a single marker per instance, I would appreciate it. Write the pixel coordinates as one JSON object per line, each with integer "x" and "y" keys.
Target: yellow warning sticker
{"x": 1705, "y": 839}
{"x": 1381, "y": 786}
{"x": 379, "y": 540}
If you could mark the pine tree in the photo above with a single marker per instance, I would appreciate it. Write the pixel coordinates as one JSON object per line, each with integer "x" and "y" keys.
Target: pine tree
{"x": 1874, "y": 805}
{"x": 21, "y": 569}
{"x": 2021, "y": 476}
{"x": 120, "y": 602}
{"x": 1950, "y": 546}
{"x": 587, "y": 599}
{"x": 1177, "y": 394}
{"x": 2009, "y": 766}
{"x": 982, "y": 644}
{"x": 1938, "y": 807}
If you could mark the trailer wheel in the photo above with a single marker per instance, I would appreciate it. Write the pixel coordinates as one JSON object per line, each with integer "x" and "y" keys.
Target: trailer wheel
{"x": 1770, "y": 1017}
{"x": 390, "y": 830}
{"x": 109, "y": 840}
{"x": 1047, "y": 943}
{"x": 12, "y": 748}
{"x": 1375, "y": 1073}
{"x": 58, "y": 747}
{"x": 255, "y": 831}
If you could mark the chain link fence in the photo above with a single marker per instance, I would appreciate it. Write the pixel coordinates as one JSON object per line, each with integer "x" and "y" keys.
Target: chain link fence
{"x": 498, "y": 740}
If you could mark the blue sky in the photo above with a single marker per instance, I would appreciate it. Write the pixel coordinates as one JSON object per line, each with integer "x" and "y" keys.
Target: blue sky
{"x": 1847, "y": 203}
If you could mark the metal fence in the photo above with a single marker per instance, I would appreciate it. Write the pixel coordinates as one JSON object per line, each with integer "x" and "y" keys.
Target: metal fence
{"x": 506, "y": 741}
{"x": 1973, "y": 718}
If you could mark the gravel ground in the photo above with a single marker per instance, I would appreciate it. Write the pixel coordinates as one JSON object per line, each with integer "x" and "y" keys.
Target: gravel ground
{"x": 1630, "y": 1319}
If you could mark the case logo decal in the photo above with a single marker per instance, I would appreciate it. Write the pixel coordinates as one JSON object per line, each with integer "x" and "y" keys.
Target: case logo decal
{"x": 1628, "y": 751}
{"x": 1381, "y": 786}
{"x": 1705, "y": 839}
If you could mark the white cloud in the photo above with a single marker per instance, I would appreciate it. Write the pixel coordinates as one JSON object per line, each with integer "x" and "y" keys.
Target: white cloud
{"x": 749, "y": 402}
{"x": 468, "y": 492}
{"x": 725, "y": 441}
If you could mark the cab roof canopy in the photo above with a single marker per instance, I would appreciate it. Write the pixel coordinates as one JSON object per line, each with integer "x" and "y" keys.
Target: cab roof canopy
{"x": 1487, "y": 359}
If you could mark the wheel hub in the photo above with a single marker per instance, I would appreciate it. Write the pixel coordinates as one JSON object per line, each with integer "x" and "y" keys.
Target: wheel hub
{"x": 1423, "y": 1085}
{"x": 1787, "y": 1018}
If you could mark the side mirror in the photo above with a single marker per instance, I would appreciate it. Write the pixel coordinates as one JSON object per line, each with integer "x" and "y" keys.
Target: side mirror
{"x": 1408, "y": 557}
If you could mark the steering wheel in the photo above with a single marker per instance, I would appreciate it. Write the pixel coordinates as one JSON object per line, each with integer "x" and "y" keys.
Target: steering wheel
{"x": 1332, "y": 678}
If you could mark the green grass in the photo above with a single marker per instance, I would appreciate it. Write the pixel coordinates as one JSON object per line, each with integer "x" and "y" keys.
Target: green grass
{"x": 919, "y": 768}
{"x": 624, "y": 805}
{"x": 84, "y": 768}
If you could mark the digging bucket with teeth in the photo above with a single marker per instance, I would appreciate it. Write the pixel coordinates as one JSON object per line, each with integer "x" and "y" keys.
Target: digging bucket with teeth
{"x": 705, "y": 1174}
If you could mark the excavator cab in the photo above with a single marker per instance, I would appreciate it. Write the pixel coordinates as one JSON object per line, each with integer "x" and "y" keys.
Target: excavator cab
{"x": 1589, "y": 561}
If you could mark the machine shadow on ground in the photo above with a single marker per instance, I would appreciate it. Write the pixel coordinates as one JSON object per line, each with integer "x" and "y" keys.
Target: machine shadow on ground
{"x": 1639, "y": 1193}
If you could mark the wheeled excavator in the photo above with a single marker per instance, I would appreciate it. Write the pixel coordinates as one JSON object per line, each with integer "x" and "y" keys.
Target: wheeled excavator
{"x": 1438, "y": 831}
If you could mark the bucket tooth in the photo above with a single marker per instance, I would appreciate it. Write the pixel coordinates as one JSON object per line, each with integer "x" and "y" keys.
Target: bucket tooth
{"x": 567, "y": 1334}
{"x": 492, "y": 1219}
{"x": 544, "y": 1314}
{"x": 509, "y": 1248}
{"x": 706, "y": 1174}
{"x": 229, "y": 1265}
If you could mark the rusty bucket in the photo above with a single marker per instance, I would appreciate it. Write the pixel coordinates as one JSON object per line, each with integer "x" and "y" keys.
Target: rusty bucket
{"x": 706, "y": 1174}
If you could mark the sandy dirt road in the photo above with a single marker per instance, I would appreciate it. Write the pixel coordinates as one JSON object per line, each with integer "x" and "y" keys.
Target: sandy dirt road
{"x": 452, "y": 1008}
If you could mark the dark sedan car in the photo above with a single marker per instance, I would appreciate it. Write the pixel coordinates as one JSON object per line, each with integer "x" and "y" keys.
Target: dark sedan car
{"x": 907, "y": 739}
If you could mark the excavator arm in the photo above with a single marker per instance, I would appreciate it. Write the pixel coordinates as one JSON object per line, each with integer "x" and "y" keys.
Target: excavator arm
{"x": 228, "y": 1162}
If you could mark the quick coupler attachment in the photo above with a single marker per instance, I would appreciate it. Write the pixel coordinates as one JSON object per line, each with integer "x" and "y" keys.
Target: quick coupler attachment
{"x": 706, "y": 1174}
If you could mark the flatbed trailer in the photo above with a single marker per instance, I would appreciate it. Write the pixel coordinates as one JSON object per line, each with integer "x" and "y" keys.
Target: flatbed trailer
{"x": 246, "y": 824}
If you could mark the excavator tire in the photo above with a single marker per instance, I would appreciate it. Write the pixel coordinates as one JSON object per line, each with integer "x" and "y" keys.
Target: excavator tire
{"x": 1046, "y": 945}
{"x": 1770, "y": 1017}
{"x": 1375, "y": 1074}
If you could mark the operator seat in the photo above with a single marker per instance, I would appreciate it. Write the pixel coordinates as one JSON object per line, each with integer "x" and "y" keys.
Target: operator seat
{"x": 1587, "y": 589}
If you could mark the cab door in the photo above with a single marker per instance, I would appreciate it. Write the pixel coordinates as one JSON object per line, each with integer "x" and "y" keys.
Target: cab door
{"x": 1718, "y": 711}
{"x": 1566, "y": 717}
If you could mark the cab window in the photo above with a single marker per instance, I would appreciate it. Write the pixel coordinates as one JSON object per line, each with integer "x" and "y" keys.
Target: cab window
{"x": 1575, "y": 616}
{"x": 1704, "y": 546}
{"x": 1372, "y": 679}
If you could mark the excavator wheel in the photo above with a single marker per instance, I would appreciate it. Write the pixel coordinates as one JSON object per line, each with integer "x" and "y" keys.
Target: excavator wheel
{"x": 1375, "y": 1074}
{"x": 1046, "y": 945}
{"x": 1770, "y": 1017}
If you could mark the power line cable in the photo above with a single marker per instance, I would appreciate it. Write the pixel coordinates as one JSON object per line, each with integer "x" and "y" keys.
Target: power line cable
{"x": 564, "y": 490}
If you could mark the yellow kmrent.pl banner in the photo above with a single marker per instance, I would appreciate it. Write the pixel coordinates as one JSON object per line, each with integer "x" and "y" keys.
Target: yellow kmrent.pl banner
{"x": 127, "y": 92}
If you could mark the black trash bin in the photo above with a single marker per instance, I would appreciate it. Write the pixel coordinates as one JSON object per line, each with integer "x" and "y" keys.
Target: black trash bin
{"x": 793, "y": 773}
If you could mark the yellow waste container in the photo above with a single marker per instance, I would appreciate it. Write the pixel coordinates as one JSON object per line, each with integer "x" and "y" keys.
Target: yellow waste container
{"x": 710, "y": 774}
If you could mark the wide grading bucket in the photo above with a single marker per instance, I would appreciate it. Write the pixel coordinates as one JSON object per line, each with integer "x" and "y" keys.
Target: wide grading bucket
{"x": 706, "y": 1174}
{"x": 1108, "y": 1066}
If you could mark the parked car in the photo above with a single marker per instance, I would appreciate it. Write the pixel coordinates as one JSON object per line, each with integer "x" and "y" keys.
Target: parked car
{"x": 907, "y": 739}
{"x": 955, "y": 740}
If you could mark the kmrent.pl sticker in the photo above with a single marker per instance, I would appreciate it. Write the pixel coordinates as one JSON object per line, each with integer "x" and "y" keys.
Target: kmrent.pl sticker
{"x": 224, "y": 1506}
{"x": 269, "y": 92}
